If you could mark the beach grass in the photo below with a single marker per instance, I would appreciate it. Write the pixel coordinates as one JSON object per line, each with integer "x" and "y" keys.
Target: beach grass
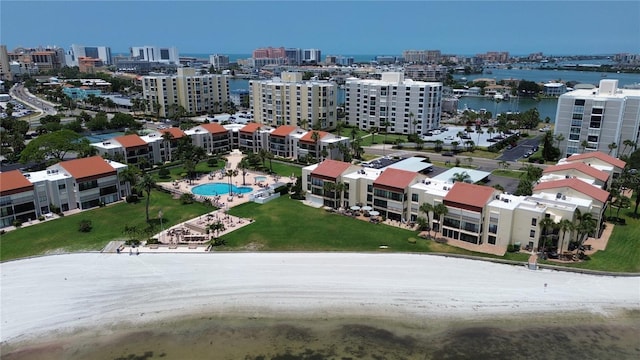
{"x": 62, "y": 235}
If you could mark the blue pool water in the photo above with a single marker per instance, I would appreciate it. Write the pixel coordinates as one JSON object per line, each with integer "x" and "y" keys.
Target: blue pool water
{"x": 212, "y": 189}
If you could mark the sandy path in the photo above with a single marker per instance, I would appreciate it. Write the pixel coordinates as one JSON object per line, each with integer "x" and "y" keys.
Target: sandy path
{"x": 67, "y": 291}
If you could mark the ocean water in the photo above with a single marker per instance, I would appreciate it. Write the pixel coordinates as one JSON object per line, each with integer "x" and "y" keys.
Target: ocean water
{"x": 541, "y": 336}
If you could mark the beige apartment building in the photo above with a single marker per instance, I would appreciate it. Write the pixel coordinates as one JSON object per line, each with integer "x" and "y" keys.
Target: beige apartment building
{"x": 198, "y": 94}
{"x": 288, "y": 100}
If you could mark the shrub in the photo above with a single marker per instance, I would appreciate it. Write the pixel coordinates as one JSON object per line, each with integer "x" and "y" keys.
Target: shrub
{"x": 282, "y": 190}
{"x": 153, "y": 241}
{"x": 213, "y": 162}
{"x": 133, "y": 198}
{"x": 85, "y": 225}
{"x": 132, "y": 242}
{"x": 17, "y": 223}
{"x": 411, "y": 240}
{"x": 164, "y": 173}
{"x": 186, "y": 198}
{"x": 41, "y": 218}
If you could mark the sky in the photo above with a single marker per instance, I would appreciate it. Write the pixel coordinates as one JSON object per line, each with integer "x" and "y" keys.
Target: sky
{"x": 559, "y": 27}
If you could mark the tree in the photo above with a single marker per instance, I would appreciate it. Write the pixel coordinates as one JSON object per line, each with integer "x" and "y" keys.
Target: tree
{"x": 315, "y": 136}
{"x": 612, "y": 147}
{"x": 216, "y": 228}
{"x": 620, "y": 202}
{"x": 583, "y": 145}
{"x": 146, "y": 184}
{"x": 545, "y": 224}
{"x": 386, "y": 125}
{"x": 329, "y": 191}
{"x": 52, "y": 145}
{"x": 439, "y": 211}
{"x": 504, "y": 164}
{"x": 167, "y": 137}
{"x": 230, "y": 173}
{"x": 628, "y": 143}
{"x": 480, "y": 132}
{"x": 340, "y": 187}
{"x": 427, "y": 209}
{"x": 565, "y": 226}
{"x": 586, "y": 225}
{"x": 549, "y": 152}
{"x": 461, "y": 177}
{"x": 455, "y": 145}
{"x": 438, "y": 145}
{"x": 354, "y": 133}
{"x": 531, "y": 173}
{"x": 243, "y": 167}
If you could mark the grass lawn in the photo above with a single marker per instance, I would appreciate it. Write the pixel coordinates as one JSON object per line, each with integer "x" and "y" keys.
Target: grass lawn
{"x": 289, "y": 225}
{"x": 284, "y": 169}
{"x": 623, "y": 249}
{"x": 108, "y": 224}
{"x": 379, "y": 139}
{"x": 514, "y": 174}
{"x": 478, "y": 153}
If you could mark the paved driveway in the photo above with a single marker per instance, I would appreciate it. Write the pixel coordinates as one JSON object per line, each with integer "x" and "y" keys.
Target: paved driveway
{"x": 519, "y": 151}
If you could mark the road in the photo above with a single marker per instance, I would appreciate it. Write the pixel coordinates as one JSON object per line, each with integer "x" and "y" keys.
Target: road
{"x": 21, "y": 94}
{"x": 519, "y": 151}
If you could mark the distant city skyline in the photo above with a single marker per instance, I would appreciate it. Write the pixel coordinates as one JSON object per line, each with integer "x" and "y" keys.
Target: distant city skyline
{"x": 336, "y": 28}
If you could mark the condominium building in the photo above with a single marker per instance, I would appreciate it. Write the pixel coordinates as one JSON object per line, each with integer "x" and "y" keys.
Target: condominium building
{"x": 43, "y": 58}
{"x": 198, "y": 94}
{"x": 74, "y": 184}
{"x": 422, "y": 56}
{"x": 219, "y": 62}
{"x": 289, "y": 100}
{"x": 407, "y": 106}
{"x": 595, "y": 119}
{"x": 479, "y": 218}
{"x": 167, "y": 55}
{"x": 95, "y": 52}
{"x": 5, "y": 69}
{"x": 311, "y": 55}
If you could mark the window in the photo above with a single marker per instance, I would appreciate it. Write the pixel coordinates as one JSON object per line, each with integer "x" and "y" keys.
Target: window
{"x": 414, "y": 197}
{"x": 579, "y": 102}
{"x": 534, "y": 222}
{"x": 492, "y": 240}
{"x": 532, "y": 233}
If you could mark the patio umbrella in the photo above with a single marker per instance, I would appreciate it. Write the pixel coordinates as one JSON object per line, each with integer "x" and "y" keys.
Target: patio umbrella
{"x": 374, "y": 213}
{"x": 367, "y": 208}
{"x": 355, "y": 208}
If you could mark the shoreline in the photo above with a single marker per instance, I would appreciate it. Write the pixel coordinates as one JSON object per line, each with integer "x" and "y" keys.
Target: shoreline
{"x": 64, "y": 294}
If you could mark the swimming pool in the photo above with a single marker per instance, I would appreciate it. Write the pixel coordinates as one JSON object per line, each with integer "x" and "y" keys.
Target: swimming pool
{"x": 219, "y": 189}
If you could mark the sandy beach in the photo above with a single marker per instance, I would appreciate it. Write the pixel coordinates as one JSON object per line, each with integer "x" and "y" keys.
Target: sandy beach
{"x": 63, "y": 293}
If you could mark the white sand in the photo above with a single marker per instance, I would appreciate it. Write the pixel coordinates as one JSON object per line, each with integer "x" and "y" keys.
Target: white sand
{"x": 64, "y": 292}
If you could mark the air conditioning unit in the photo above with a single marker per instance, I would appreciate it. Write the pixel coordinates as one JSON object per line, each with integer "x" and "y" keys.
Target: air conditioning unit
{"x": 558, "y": 195}
{"x": 505, "y": 200}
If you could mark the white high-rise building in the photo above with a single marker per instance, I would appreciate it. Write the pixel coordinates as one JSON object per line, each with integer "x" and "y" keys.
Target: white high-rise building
{"x": 407, "y": 106}
{"x": 96, "y": 52}
{"x": 198, "y": 94}
{"x": 594, "y": 119}
{"x": 168, "y": 55}
{"x": 289, "y": 100}
{"x": 219, "y": 62}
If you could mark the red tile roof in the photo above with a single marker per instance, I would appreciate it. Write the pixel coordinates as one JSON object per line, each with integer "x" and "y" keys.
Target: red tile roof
{"x": 581, "y": 167}
{"x": 129, "y": 141}
{"x": 308, "y": 137}
{"x": 577, "y": 185}
{"x": 330, "y": 169}
{"x": 395, "y": 178}
{"x": 88, "y": 167}
{"x": 12, "y": 182}
{"x": 214, "y": 128}
{"x": 470, "y": 194}
{"x": 598, "y": 155}
{"x": 177, "y": 133}
{"x": 283, "y": 130}
{"x": 251, "y": 128}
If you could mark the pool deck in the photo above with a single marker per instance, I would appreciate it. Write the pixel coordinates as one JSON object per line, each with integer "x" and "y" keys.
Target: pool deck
{"x": 191, "y": 235}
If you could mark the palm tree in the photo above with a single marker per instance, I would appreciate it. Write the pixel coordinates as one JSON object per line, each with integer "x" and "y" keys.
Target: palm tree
{"x": 230, "y": 174}
{"x": 545, "y": 224}
{"x": 439, "y": 211}
{"x": 461, "y": 177}
{"x": 438, "y": 145}
{"x": 491, "y": 131}
{"x": 315, "y": 136}
{"x": 339, "y": 127}
{"x": 565, "y": 226}
{"x": 130, "y": 175}
{"x": 340, "y": 187}
{"x": 373, "y": 132}
{"x": 627, "y": 143}
{"x": 480, "y": 132}
{"x": 612, "y": 147}
{"x": 455, "y": 146}
{"x": 270, "y": 157}
{"x": 262, "y": 154}
{"x": 385, "y": 124}
{"x": 329, "y": 191}
{"x": 167, "y": 137}
{"x": 217, "y": 227}
{"x": 427, "y": 209}
{"x": 586, "y": 225}
{"x": 354, "y": 133}
{"x": 583, "y": 145}
{"x": 304, "y": 123}
{"x": 243, "y": 167}
{"x": 146, "y": 183}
